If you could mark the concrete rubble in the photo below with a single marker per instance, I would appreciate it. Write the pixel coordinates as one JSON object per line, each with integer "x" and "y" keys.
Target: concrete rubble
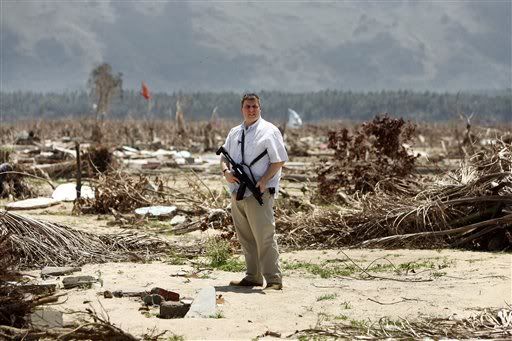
{"x": 33, "y": 203}
{"x": 155, "y": 211}
{"x": 78, "y": 281}
{"x": 146, "y": 159}
{"x": 170, "y": 309}
{"x": 204, "y": 304}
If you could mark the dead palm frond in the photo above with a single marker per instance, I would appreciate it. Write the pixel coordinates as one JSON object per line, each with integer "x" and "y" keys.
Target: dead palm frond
{"x": 38, "y": 243}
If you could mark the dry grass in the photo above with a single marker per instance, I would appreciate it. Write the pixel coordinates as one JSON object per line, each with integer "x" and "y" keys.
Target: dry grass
{"x": 495, "y": 324}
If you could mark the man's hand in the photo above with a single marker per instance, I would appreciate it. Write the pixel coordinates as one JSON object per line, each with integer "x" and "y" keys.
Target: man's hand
{"x": 262, "y": 184}
{"x": 269, "y": 174}
{"x": 230, "y": 177}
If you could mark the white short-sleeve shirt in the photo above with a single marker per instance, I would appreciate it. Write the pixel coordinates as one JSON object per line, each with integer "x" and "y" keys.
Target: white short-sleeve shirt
{"x": 260, "y": 136}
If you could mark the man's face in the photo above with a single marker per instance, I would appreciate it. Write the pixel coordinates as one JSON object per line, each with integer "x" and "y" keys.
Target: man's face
{"x": 251, "y": 111}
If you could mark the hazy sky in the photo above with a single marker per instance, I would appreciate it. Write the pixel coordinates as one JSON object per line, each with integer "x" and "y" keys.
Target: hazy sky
{"x": 254, "y": 45}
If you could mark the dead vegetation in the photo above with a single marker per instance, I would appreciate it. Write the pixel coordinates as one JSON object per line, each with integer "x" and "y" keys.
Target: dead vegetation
{"x": 469, "y": 208}
{"x": 119, "y": 192}
{"x": 366, "y": 193}
{"x": 150, "y": 134}
{"x": 37, "y": 243}
{"x": 13, "y": 184}
{"x": 91, "y": 326}
{"x": 13, "y": 308}
{"x": 489, "y": 324}
{"x": 372, "y": 153}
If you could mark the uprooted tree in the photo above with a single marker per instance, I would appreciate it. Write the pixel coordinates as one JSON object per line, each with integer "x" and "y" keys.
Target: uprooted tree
{"x": 104, "y": 85}
{"x": 372, "y": 153}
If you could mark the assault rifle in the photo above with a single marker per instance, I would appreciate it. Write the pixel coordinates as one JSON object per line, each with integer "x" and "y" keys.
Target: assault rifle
{"x": 244, "y": 180}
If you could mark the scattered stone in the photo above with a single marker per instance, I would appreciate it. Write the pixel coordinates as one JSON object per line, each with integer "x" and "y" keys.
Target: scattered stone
{"x": 78, "y": 281}
{"x": 180, "y": 273}
{"x": 179, "y": 219}
{"x": 204, "y": 304}
{"x": 121, "y": 293}
{"x": 166, "y": 294}
{"x": 38, "y": 289}
{"x": 118, "y": 293}
{"x": 170, "y": 310}
{"x": 30, "y": 204}
{"x": 58, "y": 271}
{"x": 46, "y": 318}
{"x": 153, "y": 299}
{"x": 108, "y": 294}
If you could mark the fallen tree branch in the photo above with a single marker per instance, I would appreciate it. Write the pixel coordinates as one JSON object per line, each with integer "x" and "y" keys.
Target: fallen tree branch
{"x": 31, "y": 176}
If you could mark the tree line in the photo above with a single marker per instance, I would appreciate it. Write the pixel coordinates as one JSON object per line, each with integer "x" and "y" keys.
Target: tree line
{"x": 312, "y": 106}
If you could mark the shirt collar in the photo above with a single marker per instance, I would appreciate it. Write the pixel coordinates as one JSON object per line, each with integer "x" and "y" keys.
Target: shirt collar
{"x": 252, "y": 126}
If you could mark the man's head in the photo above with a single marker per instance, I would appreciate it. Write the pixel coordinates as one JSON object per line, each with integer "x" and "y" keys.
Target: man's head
{"x": 251, "y": 109}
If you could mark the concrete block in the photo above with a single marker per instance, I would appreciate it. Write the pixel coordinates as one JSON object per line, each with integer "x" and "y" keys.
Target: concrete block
{"x": 78, "y": 281}
{"x": 204, "y": 304}
{"x": 171, "y": 310}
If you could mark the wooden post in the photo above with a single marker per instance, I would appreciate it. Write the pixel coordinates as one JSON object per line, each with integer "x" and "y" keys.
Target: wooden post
{"x": 78, "y": 171}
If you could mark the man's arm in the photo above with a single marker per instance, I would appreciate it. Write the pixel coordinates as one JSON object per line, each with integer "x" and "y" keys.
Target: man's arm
{"x": 224, "y": 167}
{"x": 269, "y": 174}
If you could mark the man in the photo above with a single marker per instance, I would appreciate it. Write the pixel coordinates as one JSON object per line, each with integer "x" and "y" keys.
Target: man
{"x": 258, "y": 145}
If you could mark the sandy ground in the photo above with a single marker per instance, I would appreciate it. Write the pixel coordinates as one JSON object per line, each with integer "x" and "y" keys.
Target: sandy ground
{"x": 446, "y": 283}
{"x": 458, "y": 284}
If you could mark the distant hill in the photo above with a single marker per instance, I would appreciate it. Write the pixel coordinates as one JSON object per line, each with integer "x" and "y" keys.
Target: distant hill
{"x": 291, "y": 46}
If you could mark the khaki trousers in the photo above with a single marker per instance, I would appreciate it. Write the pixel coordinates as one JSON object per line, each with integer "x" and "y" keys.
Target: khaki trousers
{"x": 255, "y": 228}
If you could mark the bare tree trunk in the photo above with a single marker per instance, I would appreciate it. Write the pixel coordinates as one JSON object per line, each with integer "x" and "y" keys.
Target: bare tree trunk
{"x": 78, "y": 171}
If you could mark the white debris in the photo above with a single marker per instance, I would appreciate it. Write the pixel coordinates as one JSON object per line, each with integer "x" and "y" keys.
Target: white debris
{"x": 179, "y": 219}
{"x": 294, "y": 120}
{"x": 184, "y": 154}
{"x": 67, "y": 192}
{"x": 33, "y": 203}
{"x": 180, "y": 161}
{"x": 130, "y": 149}
{"x": 156, "y": 211}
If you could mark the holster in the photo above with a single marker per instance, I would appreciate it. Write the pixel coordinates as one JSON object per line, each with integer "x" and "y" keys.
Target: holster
{"x": 241, "y": 191}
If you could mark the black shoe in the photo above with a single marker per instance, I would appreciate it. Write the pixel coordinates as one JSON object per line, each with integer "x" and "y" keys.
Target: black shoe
{"x": 274, "y": 286}
{"x": 245, "y": 283}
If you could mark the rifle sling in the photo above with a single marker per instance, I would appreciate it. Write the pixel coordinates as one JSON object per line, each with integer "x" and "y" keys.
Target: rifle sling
{"x": 241, "y": 190}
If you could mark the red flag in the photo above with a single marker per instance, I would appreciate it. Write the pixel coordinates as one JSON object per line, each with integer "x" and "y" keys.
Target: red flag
{"x": 145, "y": 91}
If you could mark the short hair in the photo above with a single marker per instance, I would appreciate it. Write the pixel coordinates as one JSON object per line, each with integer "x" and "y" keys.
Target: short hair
{"x": 249, "y": 96}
